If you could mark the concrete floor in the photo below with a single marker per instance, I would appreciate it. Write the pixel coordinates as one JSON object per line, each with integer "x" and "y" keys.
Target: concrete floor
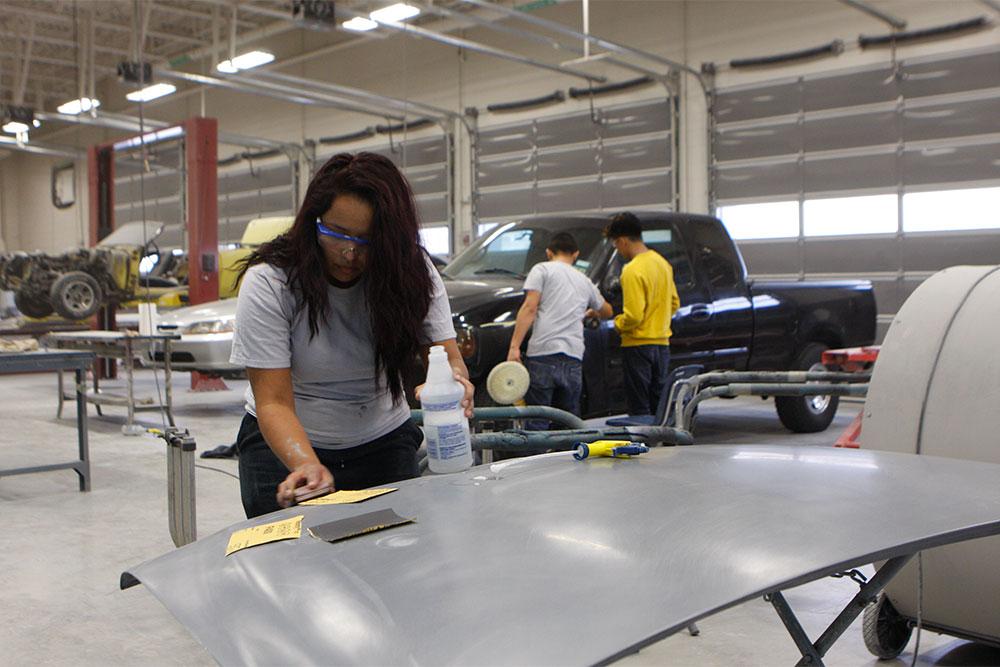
{"x": 63, "y": 551}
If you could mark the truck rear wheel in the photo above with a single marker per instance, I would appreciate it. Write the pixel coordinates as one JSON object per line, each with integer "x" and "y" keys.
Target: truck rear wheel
{"x": 31, "y": 305}
{"x": 807, "y": 414}
{"x": 76, "y": 295}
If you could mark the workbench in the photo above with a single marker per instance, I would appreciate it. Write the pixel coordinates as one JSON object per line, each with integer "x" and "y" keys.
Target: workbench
{"x": 125, "y": 346}
{"x": 79, "y": 362}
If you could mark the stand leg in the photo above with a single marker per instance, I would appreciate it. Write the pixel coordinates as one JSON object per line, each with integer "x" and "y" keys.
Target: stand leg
{"x": 81, "y": 426}
{"x": 167, "y": 380}
{"x": 129, "y": 428}
{"x": 813, "y": 652}
{"x": 62, "y": 395}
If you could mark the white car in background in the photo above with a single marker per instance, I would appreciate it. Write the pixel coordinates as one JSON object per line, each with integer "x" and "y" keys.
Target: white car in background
{"x": 206, "y": 332}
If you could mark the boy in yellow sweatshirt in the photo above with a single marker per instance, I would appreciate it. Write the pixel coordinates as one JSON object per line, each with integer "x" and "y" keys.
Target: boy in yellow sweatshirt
{"x": 649, "y": 301}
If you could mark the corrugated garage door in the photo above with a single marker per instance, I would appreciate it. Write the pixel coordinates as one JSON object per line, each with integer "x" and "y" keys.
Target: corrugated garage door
{"x": 886, "y": 173}
{"x": 252, "y": 184}
{"x": 620, "y": 157}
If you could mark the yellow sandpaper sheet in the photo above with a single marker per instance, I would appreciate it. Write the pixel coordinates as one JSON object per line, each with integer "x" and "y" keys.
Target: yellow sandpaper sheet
{"x": 288, "y": 529}
{"x": 346, "y": 497}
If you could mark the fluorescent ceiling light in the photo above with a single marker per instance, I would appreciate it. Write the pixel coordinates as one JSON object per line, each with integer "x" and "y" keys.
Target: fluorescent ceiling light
{"x": 151, "y": 92}
{"x": 14, "y": 127}
{"x": 150, "y": 137}
{"x": 397, "y": 12}
{"x": 75, "y": 107}
{"x": 248, "y": 60}
{"x": 359, "y": 24}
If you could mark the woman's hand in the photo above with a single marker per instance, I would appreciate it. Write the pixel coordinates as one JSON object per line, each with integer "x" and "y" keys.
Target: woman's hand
{"x": 311, "y": 476}
{"x": 470, "y": 393}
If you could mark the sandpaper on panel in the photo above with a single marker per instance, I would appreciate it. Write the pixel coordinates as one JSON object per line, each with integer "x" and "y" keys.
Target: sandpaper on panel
{"x": 342, "y": 529}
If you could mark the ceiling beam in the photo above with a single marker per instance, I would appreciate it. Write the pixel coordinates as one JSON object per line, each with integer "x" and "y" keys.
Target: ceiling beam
{"x": 394, "y": 103}
{"x": 12, "y": 144}
{"x": 281, "y": 92}
{"x": 63, "y": 20}
{"x": 423, "y": 33}
{"x": 495, "y": 25}
{"x": 179, "y": 11}
{"x": 605, "y": 44}
{"x": 68, "y": 44}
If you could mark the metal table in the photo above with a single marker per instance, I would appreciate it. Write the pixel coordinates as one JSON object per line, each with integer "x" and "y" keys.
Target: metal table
{"x": 125, "y": 346}
{"x": 556, "y": 561}
{"x": 79, "y": 362}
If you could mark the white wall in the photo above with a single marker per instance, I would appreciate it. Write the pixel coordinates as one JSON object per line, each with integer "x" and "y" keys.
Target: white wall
{"x": 692, "y": 32}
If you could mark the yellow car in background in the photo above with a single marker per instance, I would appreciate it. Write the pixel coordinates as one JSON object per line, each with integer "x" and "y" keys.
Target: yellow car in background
{"x": 173, "y": 267}
{"x": 257, "y": 232}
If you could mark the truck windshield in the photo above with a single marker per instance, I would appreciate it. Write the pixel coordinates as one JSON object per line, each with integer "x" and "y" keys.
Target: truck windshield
{"x": 512, "y": 249}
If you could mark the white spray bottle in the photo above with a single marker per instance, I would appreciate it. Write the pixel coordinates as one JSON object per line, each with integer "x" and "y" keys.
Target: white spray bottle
{"x": 449, "y": 448}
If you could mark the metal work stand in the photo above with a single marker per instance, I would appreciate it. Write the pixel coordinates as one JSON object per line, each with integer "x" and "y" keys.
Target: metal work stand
{"x": 180, "y": 485}
{"x": 124, "y": 346}
{"x": 813, "y": 652}
{"x": 79, "y": 362}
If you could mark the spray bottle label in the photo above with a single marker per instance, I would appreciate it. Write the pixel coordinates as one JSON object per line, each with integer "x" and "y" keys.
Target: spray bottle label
{"x": 441, "y": 407}
{"x": 446, "y": 441}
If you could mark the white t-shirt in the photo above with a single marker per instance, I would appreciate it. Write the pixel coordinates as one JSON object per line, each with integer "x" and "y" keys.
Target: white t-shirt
{"x": 565, "y": 296}
{"x": 333, "y": 374}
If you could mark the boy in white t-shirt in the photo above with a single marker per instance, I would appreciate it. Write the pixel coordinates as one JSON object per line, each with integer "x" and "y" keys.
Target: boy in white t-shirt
{"x": 557, "y": 298}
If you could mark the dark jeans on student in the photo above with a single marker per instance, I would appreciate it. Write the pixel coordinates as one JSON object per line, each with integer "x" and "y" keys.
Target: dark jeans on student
{"x": 556, "y": 381}
{"x": 390, "y": 458}
{"x": 646, "y": 369}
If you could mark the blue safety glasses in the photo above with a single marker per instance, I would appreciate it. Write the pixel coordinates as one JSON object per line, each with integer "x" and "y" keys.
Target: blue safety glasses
{"x": 325, "y": 231}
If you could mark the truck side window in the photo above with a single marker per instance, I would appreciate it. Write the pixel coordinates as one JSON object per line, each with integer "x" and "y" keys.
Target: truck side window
{"x": 715, "y": 251}
{"x": 666, "y": 242}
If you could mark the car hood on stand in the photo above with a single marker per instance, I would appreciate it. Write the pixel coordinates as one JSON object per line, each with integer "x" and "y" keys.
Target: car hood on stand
{"x": 201, "y": 312}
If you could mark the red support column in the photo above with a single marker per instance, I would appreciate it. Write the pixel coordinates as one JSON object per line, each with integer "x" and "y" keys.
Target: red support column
{"x": 101, "y": 182}
{"x": 201, "y": 155}
{"x": 101, "y": 208}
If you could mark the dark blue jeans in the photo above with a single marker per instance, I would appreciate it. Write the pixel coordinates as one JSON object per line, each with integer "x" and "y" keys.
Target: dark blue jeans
{"x": 556, "y": 381}
{"x": 390, "y": 458}
{"x": 646, "y": 368}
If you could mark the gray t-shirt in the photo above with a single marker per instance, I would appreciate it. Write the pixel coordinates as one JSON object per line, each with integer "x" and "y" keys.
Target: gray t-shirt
{"x": 333, "y": 375}
{"x": 565, "y": 296}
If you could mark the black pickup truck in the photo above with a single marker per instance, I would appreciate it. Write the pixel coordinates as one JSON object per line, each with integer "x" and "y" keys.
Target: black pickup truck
{"x": 725, "y": 322}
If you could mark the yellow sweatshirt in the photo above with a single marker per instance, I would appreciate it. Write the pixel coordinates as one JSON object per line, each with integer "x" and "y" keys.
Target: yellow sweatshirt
{"x": 650, "y": 300}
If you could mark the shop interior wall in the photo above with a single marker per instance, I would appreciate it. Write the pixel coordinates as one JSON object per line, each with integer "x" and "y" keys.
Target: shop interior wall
{"x": 693, "y": 32}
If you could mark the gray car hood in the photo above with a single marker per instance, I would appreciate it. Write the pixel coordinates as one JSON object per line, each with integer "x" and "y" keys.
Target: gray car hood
{"x": 565, "y": 562}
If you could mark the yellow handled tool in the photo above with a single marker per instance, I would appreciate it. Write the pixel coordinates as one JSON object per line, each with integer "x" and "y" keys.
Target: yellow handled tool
{"x": 615, "y": 448}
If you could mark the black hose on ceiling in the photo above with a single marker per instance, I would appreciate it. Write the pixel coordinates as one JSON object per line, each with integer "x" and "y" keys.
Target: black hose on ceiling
{"x": 557, "y": 96}
{"x": 399, "y": 127}
{"x": 350, "y": 136}
{"x": 577, "y": 93}
{"x": 977, "y": 23}
{"x": 836, "y": 47}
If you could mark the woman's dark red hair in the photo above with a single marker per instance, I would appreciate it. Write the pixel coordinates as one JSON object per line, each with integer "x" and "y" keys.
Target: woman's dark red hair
{"x": 398, "y": 278}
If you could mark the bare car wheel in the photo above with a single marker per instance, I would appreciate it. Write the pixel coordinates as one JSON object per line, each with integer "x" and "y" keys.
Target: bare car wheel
{"x": 76, "y": 295}
{"x": 32, "y": 306}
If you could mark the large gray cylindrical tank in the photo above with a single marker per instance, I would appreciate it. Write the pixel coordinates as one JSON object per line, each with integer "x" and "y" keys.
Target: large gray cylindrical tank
{"x": 935, "y": 390}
